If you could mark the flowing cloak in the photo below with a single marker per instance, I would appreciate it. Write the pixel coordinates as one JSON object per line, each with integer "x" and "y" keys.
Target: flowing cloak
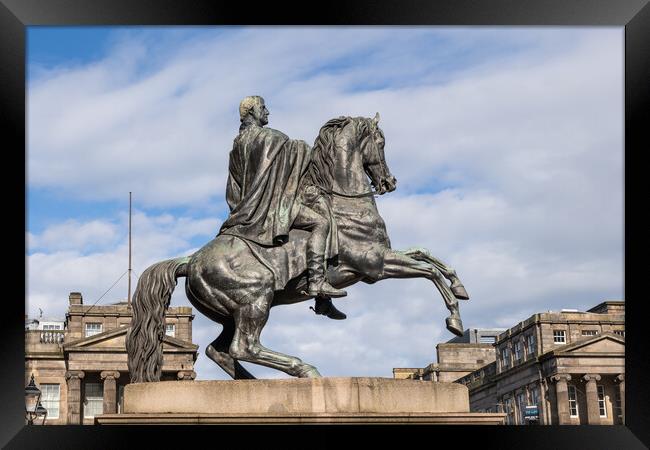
{"x": 264, "y": 194}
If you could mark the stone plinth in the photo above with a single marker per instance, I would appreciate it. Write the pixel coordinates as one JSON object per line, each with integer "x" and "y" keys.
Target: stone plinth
{"x": 305, "y": 400}
{"x": 296, "y": 396}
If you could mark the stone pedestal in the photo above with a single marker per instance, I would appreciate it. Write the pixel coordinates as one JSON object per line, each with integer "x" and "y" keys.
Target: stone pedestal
{"x": 304, "y": 400}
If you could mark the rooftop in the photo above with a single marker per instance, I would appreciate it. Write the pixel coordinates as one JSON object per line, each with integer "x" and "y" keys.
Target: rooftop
{"x": 615, "y": 308}
{"x": 476, "y": 336}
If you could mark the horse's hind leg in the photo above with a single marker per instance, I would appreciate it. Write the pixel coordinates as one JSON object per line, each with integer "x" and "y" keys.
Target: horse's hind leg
{"x": 422, "y": 254}
{"x": 250, "y": 318}
{"x": 218, "y": 349}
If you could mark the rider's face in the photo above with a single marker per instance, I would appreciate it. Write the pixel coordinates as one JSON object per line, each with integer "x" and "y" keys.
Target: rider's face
{"x": 261, "y": 113}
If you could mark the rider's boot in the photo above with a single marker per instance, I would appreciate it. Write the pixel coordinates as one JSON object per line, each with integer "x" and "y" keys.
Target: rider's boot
{"x": 325, "y": 307}
{"x": 318, "y": 285}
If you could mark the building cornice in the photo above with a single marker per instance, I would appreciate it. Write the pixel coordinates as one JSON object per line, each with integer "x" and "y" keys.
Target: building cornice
{"x": 41, "y": 355}
{"x": 560, "y": 319}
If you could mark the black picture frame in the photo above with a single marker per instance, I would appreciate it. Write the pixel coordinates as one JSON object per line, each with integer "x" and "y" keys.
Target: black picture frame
{"x": 634, "y": 15}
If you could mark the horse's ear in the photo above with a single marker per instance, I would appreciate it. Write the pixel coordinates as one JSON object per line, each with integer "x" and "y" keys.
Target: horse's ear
{"x": 376, "y": 119}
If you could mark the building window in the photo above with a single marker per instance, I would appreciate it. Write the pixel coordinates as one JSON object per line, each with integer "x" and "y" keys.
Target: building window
{"x": 534, "y": 395}
{"x": 120, "y": 398}
{"x": 618, "y": 409}
{"x": 487, "y": 339}
{"x": 601, "y": 401}
{"x": 589, "y": 332}
{"x": 559, "y": 336}
{"x": 170, "y": 329}
{"x": 620, "y": 332}
{"x": 52, "y": 327}
{"x": 521, "y": 406}
{"x": 508, "y": 406}
{"x": 93, "y": 329}
{"x": 50, "y": 398}
{"x": 505, "y": 358}
{"x": 518, "y": 352}
{"x": 573, "y": 401}
{"x": 530, "y": 344}
{"x": 94, "y": 400}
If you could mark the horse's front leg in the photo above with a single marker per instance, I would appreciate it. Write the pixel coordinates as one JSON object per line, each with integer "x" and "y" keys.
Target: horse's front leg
{"x": 422, "y": 254}
{"x": 399, "y": 265}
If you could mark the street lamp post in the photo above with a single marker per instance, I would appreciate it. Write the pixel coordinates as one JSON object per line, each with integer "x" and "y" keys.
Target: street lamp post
{"x": 33, "y": 406}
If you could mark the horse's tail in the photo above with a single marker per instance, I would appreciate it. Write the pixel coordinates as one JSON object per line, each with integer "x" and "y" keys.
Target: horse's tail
{"x": 150, "y": 300}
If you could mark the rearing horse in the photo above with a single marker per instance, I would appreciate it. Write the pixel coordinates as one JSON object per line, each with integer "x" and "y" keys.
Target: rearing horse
{"x": 231, "y": 280}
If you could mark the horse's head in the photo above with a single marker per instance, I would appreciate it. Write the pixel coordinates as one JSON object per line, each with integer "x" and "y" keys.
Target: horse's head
{"x": 348, "y": 151}
{"x": 374, "y": 161}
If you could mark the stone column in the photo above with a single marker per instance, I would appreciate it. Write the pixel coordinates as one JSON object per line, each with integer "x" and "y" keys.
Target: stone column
{"x": 591, "y": 392}
{"x": 110, "y": 391}
{"x": 621, "y": 391}
{"x": 542, "y": 403}
{"x": 562, "y": 397}
{"x": 73, "y": 379}
{"x": 186, "y": 375}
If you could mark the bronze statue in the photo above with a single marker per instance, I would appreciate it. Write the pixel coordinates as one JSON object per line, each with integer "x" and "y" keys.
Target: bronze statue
{"x": 259, "y": 259}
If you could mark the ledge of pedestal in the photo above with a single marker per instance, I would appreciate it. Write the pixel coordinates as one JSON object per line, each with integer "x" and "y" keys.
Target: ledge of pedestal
{"x": 287, "y": 419}
{"x": 296, "y": 396}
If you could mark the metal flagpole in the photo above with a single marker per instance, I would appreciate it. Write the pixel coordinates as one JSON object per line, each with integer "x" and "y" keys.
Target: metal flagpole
{"x": 129, "y": 296}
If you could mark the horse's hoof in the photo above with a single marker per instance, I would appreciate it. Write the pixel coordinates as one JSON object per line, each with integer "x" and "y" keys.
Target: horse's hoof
{"x": 460, "y": 292}
{"x": 309, "y": 372}
{"x": 455, "y": 325}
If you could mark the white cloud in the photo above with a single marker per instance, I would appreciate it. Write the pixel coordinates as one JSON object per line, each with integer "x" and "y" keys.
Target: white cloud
{"x": 166, "y": 134}
{"x": 74, "y": 235}
{"x": 507, "y": 145}
{"x": 55, "y": 270}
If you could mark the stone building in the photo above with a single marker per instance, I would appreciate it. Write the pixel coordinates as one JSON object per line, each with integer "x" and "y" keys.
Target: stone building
{"x": 565, "y": 367}
{"x": 80, "y": 363}
{"x": 457, "y": 357}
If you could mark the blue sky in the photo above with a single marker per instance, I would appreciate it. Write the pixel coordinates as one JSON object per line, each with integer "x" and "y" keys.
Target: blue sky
{"x": 500, "y": 139}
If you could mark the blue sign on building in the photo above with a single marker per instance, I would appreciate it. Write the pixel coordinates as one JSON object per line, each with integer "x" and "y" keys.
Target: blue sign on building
{"x": 531, "y": 412}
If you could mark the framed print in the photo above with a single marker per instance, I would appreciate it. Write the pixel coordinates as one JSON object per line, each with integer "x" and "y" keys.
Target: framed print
{"x": 509, "y": 133}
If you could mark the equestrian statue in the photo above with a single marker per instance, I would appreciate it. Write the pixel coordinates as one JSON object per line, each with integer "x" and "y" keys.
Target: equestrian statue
{"x": 303, "y": 225}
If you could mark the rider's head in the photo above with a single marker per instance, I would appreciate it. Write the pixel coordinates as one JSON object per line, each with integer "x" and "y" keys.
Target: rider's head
{"x": 253, "y": 108}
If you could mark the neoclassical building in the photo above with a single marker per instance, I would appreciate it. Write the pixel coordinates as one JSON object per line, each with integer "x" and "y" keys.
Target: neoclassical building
{"x": 557, "y": 367}
{"x": 569, "y": 364}
{"x": 80, "y": 363}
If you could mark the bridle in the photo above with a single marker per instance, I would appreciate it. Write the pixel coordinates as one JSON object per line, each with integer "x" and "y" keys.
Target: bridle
{"x": 384, "y": 170}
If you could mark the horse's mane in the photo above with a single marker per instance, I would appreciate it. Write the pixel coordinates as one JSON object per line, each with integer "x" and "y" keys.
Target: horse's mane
{"x": 324, "y": 149}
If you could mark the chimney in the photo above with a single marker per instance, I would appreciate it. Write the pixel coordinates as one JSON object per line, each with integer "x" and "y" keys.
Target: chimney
{"x": 76, "y": 298}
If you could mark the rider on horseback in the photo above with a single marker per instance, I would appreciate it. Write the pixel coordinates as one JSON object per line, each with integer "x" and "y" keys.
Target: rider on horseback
{"x": 263, "y": 193}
